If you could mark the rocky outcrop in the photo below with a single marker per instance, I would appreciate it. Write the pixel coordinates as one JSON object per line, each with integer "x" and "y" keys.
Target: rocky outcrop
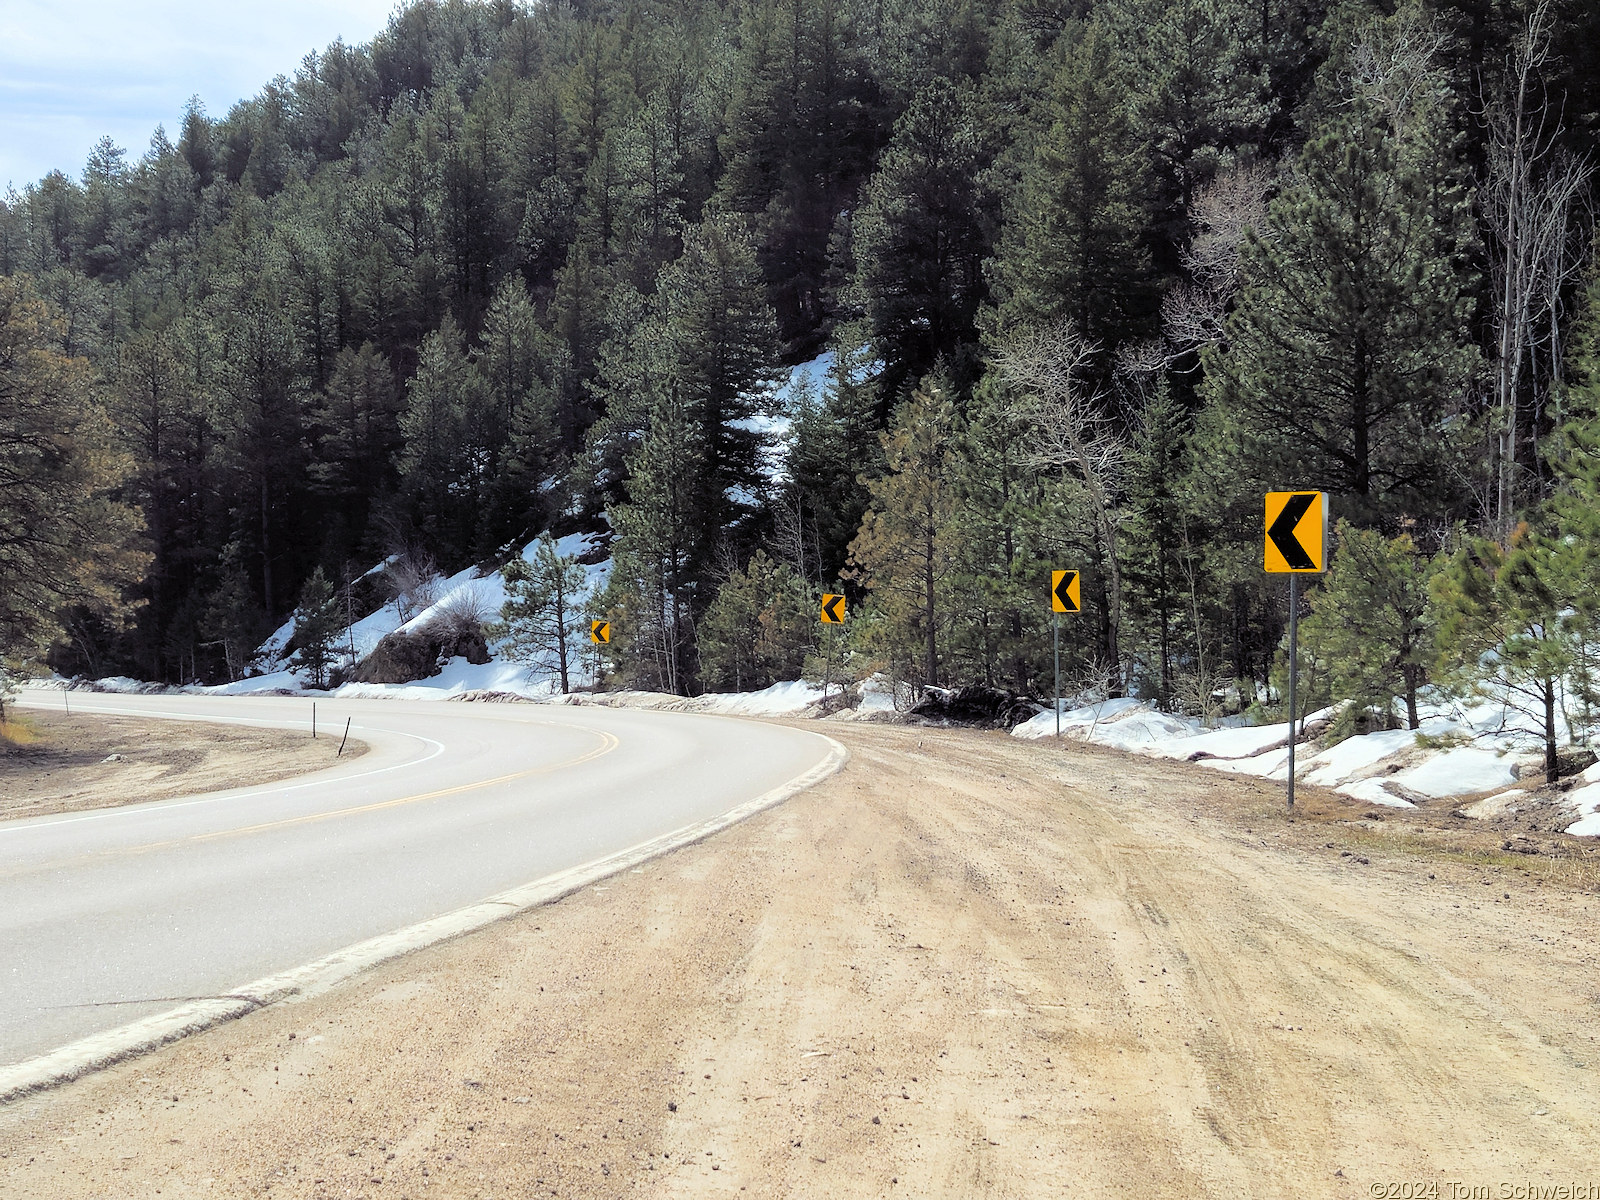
{"x": 403, "y": 657}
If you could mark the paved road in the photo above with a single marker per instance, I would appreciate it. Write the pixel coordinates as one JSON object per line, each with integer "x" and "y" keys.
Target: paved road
{"x": 110, "y": 916}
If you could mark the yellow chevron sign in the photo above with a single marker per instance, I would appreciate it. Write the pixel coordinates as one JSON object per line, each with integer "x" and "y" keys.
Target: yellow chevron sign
{"x": 599, "y": 631}
{"x": 1065, "y": 595}
{"x": 832, "y": 610}
{"x": 1297, "y": 533}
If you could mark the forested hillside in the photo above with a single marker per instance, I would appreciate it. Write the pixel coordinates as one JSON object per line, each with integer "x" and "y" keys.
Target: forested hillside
{"x": 1089, "y": 277}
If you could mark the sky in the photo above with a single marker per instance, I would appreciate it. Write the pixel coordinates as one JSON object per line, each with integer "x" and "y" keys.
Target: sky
{"x": 74, "y": 70}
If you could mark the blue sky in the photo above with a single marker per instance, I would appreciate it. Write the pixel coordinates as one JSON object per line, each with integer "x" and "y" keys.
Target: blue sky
{"x": 72, "y": 70}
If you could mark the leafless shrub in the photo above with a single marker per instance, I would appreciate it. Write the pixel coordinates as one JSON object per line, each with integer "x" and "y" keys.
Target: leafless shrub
{"x": 1528, "y": 199}
{"x": 1095, "y": 683}
{"x": 411, "y": 580}
{"x": 466, "y": 611}
{"x": 1050, "y": 365}
{"x": 1141, "y": 364}
{"x": 1200, "y": 694}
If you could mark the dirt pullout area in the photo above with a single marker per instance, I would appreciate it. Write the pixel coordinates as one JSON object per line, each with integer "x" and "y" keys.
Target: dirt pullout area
{"x": 55, "y": 763}
{"x": 965, "y": 966}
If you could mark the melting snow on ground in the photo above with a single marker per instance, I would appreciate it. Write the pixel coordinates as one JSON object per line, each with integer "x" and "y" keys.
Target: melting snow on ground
{"x": 1481, "y": 748}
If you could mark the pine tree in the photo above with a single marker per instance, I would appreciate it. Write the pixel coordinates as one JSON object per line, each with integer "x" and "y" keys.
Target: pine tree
{"x": 1516, "y": 626}
{"x": 1369, "y": 621}
{"x": 1070, "y": 245}
{"x": 759, "y": 628}
{"x": 721, "y": 336}
{"x": 358, "y": 417}
{"x": 316, "y": 627}
{"x": 64, "y": 538}
{"x": 444, "y": 464}
{"x": 1161, "y": 562}
{"x": 1203, "y": 102}
{"x": 233, "y": 617}
{"x": 833, "y": 445}
{"x": 919, "y": 239}
{"x": 1002, "y": 510}
{"x": 520, "y": 425}
{"x": 1347, "y": 359}
{"x": 707, "y": 339}
{"x": 543, "y": 611}
{"x": 906, "y": 552}
{"x": 653, "y": 589}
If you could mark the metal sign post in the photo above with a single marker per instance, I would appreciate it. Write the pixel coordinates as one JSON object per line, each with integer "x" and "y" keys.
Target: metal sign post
{"x": 1056, "y": 625}
{"x": 1294, "y": 673}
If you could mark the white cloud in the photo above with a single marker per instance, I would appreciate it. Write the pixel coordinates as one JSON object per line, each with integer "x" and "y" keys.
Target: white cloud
{"x": 71, "y": 73}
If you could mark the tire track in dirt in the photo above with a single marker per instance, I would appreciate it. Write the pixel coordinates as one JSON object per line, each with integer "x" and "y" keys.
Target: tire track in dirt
{"x": 966, "y": 966}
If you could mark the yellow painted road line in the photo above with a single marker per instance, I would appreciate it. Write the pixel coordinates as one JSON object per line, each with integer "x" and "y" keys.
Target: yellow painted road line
{"x": 608, "y": 743}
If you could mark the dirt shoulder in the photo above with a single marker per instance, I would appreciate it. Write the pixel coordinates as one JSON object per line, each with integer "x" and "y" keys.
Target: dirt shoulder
{"x": 964, "y": 966}
{"x": 59, "y": 763}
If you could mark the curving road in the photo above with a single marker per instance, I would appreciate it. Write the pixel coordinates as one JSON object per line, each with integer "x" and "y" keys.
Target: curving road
{"x": 112, "y": 916}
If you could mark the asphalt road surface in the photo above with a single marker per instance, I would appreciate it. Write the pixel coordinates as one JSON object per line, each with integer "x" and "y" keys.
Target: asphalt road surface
{"x": 110, "y": 916}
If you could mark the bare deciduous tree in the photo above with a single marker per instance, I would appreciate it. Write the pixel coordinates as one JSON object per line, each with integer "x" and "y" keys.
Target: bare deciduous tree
{"x": 1395, "y": 64}
{"x": 1224, "y": 213}
{"x": 1527, "y": 200}
{"x": 1049, "y": 365}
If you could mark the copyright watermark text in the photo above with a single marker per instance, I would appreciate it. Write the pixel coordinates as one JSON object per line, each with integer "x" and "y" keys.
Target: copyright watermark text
{"x": 1461, "y": 1189}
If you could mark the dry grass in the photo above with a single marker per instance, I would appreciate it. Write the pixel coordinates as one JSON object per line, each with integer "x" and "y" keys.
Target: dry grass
{"x": 52, "y": 762}
{"x": 16, "y": 731}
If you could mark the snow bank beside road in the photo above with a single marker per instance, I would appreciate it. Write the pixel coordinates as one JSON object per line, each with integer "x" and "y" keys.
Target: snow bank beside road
{"x": 1389, "y": 767}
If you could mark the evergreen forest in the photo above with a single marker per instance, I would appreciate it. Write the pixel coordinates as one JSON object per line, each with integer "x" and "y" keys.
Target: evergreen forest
{"x": 1080, "y": 280}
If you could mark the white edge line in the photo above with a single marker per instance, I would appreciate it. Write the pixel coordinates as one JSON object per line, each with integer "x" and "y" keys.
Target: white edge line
{"x": 103, "y": 1050}
{"x": 249, "y": 792}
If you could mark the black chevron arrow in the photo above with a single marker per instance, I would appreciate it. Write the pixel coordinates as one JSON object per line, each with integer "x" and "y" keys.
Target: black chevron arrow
{"x": 1064, "y": 588}
{"x": 831, "y": 608}
{"x": 1281, "y": 531}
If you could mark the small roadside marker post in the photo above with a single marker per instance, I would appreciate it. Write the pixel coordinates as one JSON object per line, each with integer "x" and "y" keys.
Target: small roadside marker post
{"x": 1296, "y": 544}
{"x": 313, "y": 720}
{"x": 1065, "y": 597}
{"x": 340, "y": 752}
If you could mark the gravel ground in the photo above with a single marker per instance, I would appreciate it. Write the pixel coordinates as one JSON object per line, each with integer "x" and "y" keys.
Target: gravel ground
{"x": 965, "y": 966}
{"x": 70, "y": 763}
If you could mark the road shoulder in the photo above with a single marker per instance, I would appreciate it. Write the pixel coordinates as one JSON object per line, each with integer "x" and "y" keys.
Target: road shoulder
{"x": 961, "y": 966}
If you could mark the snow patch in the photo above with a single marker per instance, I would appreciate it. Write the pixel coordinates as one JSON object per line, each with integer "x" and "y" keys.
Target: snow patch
{"x": 781, "y": 699}
{"x": 1460, "y": 772}
{"x": 1248, "y": 742}
{"x": 1124, "y": 723}
{"x": 1588, "y": 827}
{"x": 1373, "y": 791}
{"x": 1349, "y": 758}
{"x": 1274, "y": 764}
{"x": 273, "y": 681}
